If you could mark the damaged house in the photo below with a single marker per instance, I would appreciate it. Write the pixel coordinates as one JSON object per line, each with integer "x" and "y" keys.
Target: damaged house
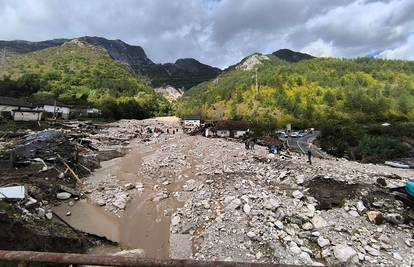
{"x": 55, "y": 108}
{"x": 18, "y": 109}
{"x": 191, "y": 122}
{"x": 232, "y": 128}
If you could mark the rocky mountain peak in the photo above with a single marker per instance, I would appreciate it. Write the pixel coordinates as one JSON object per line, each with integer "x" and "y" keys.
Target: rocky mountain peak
{"x": 291, "y": 56}
{"x": 252, "y": 61}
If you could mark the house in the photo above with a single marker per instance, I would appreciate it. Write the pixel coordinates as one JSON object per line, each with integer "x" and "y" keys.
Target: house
{"x": 232, "y": 128}
{"x": 27, "y": 115}
{"x": 8, "y": 104}
{"x": 58, "y": 109}
{"x": 191, "y": 122}
{"x": 93, "y": 112}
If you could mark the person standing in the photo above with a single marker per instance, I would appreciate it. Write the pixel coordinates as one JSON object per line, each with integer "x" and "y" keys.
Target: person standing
{"x": 310, "y": 156}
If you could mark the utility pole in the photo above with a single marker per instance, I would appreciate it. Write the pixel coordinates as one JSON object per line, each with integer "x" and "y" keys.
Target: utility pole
{"x": 3, "y": 58}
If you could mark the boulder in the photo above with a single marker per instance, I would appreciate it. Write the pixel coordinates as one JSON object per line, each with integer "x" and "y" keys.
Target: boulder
{"x": 297, "y": 194}
{"x": 318, "y": 222}
{"x": 246, "y": 208}
{"x": 129, "y": 186}
{"x": 190, "y": 185}
{"x": 234, "y": 204}
{"x": 271, "y": 204}
{"x": 323, "y": 242}
{"x": 63, "y": 195}
{"x": 121, "y": 200}
{"x": 360, "y": 206}
{"x": 345, "y": 254}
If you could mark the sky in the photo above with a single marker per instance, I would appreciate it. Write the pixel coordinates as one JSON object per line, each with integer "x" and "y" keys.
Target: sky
{"x": 222, "y": 32}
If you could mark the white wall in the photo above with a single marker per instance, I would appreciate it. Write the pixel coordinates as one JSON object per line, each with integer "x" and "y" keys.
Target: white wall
{"x": 238, "y": 134}
{"x": 27, "y": 116}
{"x": 223, "y": 133}
{"x": 191, "y": 123}
{"x": 51, "y": 109}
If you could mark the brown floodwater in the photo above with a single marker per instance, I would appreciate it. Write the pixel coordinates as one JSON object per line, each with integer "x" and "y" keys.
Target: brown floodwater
{"x": 89, "y": 218}
{"x": 145, "y": 224}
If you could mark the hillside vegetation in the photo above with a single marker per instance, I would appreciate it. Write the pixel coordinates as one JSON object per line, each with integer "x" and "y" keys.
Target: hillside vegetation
{"x": 319, "y": 92}
{"x": 79, "y": 73}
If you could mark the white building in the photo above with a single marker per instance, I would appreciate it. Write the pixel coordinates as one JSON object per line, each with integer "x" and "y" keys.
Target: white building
{"x": 8, "y": 104}
{"x": 191, "y": 122}
{"x": 27, "y": 115}
{"x": 232, "y": 128}
{"x": 59, "y": 110}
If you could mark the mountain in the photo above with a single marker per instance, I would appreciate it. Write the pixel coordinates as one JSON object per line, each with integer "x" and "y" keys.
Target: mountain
{"x": 292, "y": 56}
{"x": 77, "y": 72}
{"x": 306, "y": 91}
{"x": 170, "y": 93}
{"x": 184, "y": 73}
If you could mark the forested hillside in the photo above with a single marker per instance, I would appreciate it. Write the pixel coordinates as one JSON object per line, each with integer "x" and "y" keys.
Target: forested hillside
{"x": 308, "y": 92}
{"x": 79, "y": 73}
{"x": 346, "y": 98}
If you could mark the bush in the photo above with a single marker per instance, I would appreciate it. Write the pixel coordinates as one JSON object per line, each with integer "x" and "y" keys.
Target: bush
{"x": 379, "y": 148}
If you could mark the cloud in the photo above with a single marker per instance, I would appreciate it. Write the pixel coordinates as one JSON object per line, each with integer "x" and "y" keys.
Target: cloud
{"x": 220, "y": 32}
{"x": 405, "y": 50}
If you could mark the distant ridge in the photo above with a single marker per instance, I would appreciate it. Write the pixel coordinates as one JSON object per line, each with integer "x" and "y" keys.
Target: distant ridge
{"x": 292, "y": 56}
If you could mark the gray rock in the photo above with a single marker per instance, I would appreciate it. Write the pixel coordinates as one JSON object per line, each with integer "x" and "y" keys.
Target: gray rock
{"x": 129, "y": 186}
{"x": 100, "y": 202}
{"x": 271, "y": 204}
{"x": 319, "y": 222}
{"x": 397, "y": 256}
{"x": 353, "y": 213}
{"x": 49, "y": 215}
{"x": 297, "y": 194}
{"x": 121, "y": 200}
{"x": 372, "y": 251}
{"x": 41, "y": 212}
{"x": 300, "y": 179}
{"x": 345, "y": 253}
{"x": 63, "y": 195}
{"x": 323, "y": 242}
{"x": 279, "y": 224}
{"x": 175, "y": 220}
{"x": 246, "y": 208}
{"x": 360, "y": 206}
{"x": 306, "y": 258}
{"x": 234, "y": 204}
{"x": 394, "y": 218}
{"x": 30, "y": 202}
{"x": 307, "y": 226}
{"x": 190, "y": 185}
{"x": 251, "y": 234}
{"x": 293, "y": 247}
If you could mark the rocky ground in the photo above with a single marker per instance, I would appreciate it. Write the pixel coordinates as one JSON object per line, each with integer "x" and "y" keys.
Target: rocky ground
{"x": 248, "y": 206}
{"x": 226, "y": 203}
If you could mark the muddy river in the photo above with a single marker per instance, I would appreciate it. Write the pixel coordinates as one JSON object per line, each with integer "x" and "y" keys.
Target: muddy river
{"x": 144, "y": 224}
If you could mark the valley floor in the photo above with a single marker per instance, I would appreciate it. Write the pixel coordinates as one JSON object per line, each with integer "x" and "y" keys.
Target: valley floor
{"x": 181, "y": 196}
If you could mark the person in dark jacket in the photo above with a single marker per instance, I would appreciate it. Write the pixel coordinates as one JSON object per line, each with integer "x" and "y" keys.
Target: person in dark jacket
{"x": 310, "y": 156}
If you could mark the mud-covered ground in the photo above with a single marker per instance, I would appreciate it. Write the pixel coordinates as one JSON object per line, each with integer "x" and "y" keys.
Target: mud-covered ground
{"x": 178, "y": 196}
{"x": 223, "y": 202}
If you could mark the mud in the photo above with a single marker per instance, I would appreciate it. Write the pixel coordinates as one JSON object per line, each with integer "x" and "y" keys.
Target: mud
{"x": 331, "y": 193}
{"x": 90, "y": 219}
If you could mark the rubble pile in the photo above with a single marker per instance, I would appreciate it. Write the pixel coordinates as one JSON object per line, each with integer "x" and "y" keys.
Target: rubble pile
{"x": 240, "y": 205}
{"x": 245, "y": 206}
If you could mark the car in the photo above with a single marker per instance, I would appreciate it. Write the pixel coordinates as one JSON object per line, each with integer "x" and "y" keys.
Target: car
{"x": 294, "y": 134}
